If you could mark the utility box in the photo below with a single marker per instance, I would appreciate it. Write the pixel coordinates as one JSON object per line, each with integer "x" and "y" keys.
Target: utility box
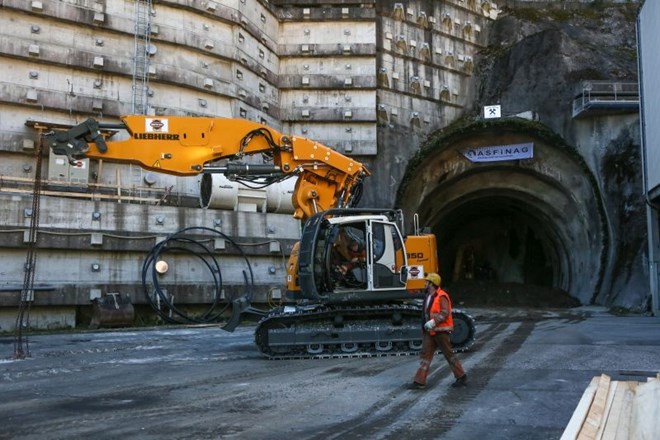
{"x": 59, "y": 168}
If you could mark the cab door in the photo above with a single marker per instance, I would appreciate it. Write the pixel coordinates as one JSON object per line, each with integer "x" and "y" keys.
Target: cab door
{"x": 386, "y": 258}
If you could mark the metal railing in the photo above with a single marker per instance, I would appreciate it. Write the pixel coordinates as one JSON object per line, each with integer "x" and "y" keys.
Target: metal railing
{"x": 606, "y": 96}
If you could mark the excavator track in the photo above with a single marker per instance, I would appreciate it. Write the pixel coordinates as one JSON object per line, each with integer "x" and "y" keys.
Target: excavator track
{"x": 322, "y": 331}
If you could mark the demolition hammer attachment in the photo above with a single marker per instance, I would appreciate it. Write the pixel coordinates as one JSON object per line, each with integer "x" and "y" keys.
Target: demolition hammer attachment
{"x": 74, "y": 142}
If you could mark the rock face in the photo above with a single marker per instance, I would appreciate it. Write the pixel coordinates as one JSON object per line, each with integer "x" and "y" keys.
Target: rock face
{"x": 537, "y": 60}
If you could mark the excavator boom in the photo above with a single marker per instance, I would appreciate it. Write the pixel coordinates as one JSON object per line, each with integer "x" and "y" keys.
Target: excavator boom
{"x": 185, "y": 146}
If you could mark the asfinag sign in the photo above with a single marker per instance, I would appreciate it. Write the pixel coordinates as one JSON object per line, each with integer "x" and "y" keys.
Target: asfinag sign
{"x": 499, "y": 152}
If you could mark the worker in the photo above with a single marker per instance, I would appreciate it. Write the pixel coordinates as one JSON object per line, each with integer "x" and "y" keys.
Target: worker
{"x": 346, "y": 257}
{"x": 438, "y": 324}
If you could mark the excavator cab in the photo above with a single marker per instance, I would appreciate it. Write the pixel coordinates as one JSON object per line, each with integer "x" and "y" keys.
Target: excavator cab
{"x": 352, "y": 255}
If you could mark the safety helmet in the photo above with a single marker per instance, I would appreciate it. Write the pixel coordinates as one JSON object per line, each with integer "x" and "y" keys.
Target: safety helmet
{"x": 434, "y": 278}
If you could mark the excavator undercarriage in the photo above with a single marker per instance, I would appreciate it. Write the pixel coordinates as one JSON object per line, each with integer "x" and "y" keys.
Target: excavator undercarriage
{"x": 322, "y": 331}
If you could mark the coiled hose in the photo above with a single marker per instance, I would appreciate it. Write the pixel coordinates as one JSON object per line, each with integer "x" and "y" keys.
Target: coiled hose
{"x": 183, "y": 242}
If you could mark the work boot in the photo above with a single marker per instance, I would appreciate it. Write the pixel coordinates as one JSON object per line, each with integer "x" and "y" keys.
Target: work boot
{"x": 460, "y": 382}
{"x": 417, "y": 386}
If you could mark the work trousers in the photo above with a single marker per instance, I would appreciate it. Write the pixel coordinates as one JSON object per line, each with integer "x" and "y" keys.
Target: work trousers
{"x": 430, "y": 344}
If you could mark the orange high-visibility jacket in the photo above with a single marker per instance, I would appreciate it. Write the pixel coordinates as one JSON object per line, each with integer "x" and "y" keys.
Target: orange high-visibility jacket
{"x": 432, "y": 312}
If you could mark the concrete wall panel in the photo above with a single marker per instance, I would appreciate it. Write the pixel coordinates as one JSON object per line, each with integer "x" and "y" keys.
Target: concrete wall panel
{"x": 344, "y": 32}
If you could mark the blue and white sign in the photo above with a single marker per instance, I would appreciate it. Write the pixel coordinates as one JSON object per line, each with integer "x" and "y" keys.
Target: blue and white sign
{"x": 499, "y": 152}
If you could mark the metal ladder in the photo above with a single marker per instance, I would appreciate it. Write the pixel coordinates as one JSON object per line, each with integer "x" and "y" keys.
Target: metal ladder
{"x": 140, "y": 104}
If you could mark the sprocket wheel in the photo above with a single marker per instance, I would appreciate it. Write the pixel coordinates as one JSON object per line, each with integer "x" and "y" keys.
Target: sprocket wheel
{"x": 465, "y": 330}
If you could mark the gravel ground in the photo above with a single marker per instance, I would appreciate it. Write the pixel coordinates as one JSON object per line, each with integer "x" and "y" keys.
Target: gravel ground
{"x": 527, "y": 373}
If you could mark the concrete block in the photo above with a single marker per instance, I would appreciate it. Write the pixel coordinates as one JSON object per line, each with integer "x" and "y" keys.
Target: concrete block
{"x": 94, "y": 294}
{"x": 41, "y": 318}
{"x": 26, "y": 237}
{"x": 28, "y": 144}
{"x": 96, "y": 239}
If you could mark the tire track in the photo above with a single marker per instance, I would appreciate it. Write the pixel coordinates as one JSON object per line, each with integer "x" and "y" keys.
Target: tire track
{"x": 394, "y": 405}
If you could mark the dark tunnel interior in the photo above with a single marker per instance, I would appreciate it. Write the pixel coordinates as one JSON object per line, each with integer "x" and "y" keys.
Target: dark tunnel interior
{"x": 500, "y": 242}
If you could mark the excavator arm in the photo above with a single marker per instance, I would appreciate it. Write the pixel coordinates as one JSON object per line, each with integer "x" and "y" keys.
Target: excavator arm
{"x": 186, "y": 146}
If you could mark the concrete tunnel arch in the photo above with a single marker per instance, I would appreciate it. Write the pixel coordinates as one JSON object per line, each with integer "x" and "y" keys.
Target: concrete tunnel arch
{"x": 538, "y": 222}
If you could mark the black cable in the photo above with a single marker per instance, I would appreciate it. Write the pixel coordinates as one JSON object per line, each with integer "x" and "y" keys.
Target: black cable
{"x": 356, "y": 194}
{"x": 263, "y": 182}
{"x": 182, "y": 243}
{"x": 266, "y": 134}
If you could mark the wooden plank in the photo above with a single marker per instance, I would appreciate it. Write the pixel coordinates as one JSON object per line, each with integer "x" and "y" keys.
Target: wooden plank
{"x": 580, "y": 413}
{"x": 646, "y": 411}
{"x": 618, "y": 421}
{"x": 91, "y": 196}
{"x": 595, "y": 415}
{"x": 608, "y": 415}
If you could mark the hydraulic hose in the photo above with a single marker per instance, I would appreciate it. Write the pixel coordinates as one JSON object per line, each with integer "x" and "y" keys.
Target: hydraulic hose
{"x": 183, "y": 242}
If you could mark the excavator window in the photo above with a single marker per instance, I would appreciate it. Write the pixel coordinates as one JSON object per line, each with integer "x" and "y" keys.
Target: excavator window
{"x": 348, "y": 256}
{"x": 387, "y": 255}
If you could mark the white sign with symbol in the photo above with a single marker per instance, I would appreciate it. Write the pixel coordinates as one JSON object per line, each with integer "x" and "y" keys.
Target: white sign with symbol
{"x": 415, "y": 272}
{"x": 492, "y": 111}
{"x": 156, "y": 125}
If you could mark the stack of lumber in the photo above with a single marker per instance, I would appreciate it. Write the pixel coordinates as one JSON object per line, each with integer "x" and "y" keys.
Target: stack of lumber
{"x": 617, "y": 410}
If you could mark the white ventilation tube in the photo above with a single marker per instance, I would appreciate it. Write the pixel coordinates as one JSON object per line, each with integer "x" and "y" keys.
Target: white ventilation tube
{"x": 218, "y": 192}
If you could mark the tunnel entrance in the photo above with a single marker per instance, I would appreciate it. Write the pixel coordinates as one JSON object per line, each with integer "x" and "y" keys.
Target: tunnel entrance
{"x": 514, "y": 231}
{"x": 495, "y": 240}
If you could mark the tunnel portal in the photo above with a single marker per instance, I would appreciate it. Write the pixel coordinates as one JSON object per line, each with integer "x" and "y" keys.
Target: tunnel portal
{"x": 534, "y": 223}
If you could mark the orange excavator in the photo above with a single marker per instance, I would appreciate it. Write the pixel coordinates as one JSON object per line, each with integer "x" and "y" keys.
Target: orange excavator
{"x": 373, "y": 308}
